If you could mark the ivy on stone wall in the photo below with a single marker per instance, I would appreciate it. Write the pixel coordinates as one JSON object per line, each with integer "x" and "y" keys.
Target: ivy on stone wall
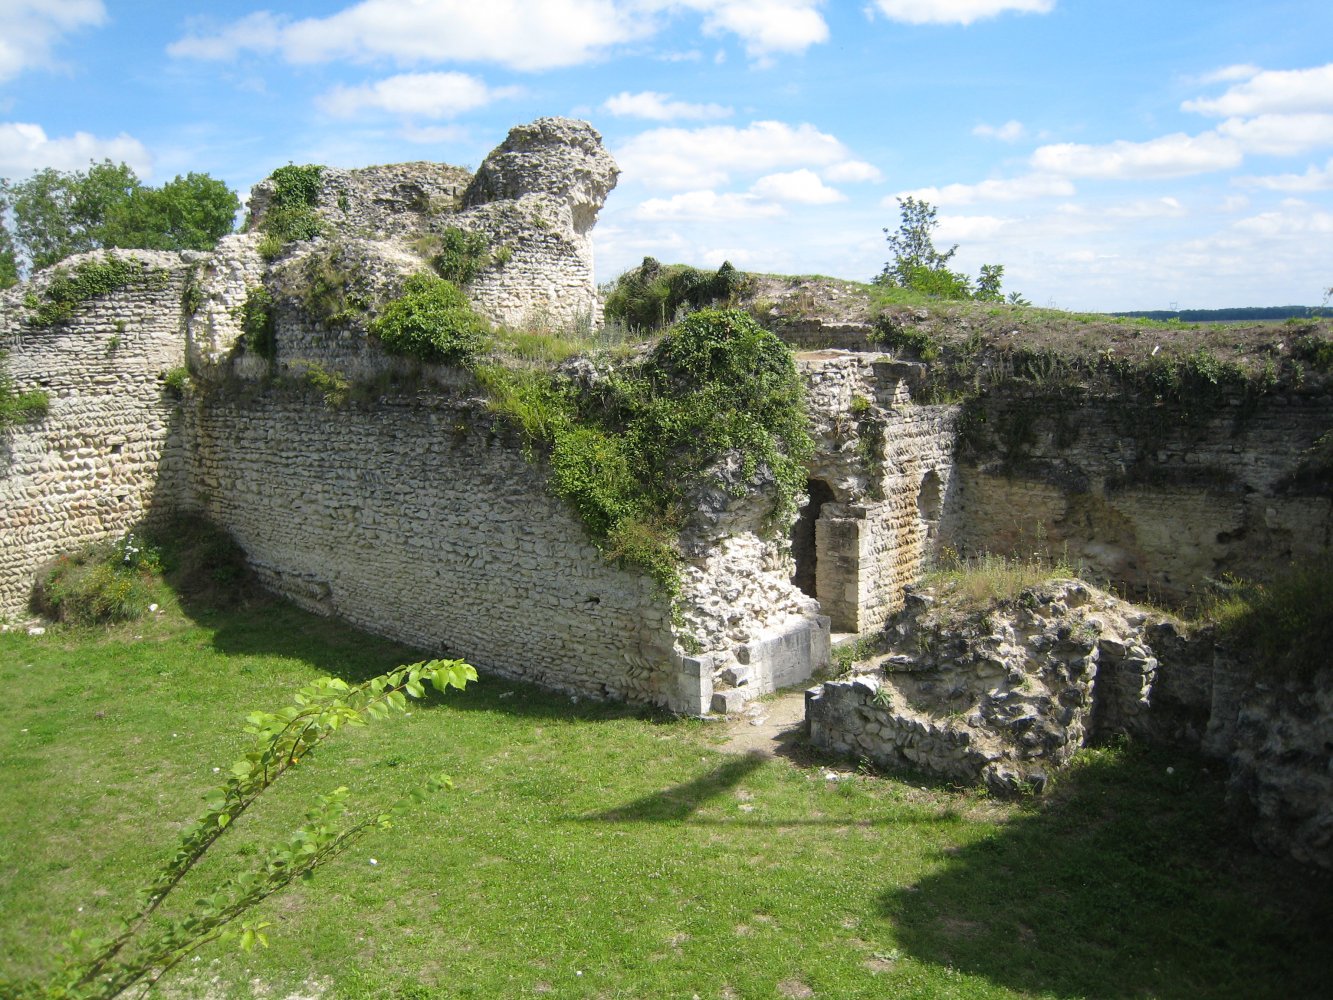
{"x": 432, "y": 321}
{"x": 88, "y": 279}
{"x": 291, "y": 212}
{"x": 630, "y": 452}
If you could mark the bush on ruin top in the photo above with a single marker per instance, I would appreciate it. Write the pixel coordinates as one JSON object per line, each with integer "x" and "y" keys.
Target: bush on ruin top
{"x": 432, "y": 321}
{"x": 652, "y": 295}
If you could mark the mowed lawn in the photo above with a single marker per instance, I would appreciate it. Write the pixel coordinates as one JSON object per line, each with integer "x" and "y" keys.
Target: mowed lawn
{"x": 592, "y": 850}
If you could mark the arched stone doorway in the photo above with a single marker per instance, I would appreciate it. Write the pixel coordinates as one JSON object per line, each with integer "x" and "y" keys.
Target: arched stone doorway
{"x": 803, "y": 548}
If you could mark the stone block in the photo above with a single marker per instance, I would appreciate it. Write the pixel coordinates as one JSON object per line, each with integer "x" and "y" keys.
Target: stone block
{"x": 728, "y": 702}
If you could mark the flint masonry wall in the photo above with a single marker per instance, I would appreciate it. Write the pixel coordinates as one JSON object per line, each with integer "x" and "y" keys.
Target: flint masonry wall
{"x": 109, "y": 450}
{"x": 417, "y": 520}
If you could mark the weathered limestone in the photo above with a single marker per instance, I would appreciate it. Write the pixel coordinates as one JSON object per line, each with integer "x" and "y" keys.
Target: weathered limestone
{"x": 888, "y": 465}
{"x": 420, "y": 520}
{"x": 1156, "y": 508}
{"x": 108, "y": 453}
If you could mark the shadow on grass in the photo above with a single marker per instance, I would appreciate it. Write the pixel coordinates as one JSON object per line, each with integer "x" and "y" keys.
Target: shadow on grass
{"x": 680, "y": 801}
{"x": 1129, "y": 882}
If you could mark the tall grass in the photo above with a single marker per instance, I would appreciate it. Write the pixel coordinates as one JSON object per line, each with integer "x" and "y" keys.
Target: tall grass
{"x": 977, "y": 581}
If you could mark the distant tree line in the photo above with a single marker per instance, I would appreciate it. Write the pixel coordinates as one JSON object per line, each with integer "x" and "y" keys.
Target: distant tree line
{"x": 1242, "y": 314}
{"x": 55, "y": 213}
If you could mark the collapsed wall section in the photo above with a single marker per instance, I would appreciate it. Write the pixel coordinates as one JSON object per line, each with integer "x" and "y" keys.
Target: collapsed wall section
{"x": 109, "y": 450}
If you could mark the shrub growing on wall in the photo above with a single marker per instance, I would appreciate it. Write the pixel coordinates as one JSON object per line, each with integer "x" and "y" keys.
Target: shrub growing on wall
{"x": 629, "y": 457}
{"x": 433, "y": 321}
{"x": 291, "y": 212}
{"x": 650, "y": 296}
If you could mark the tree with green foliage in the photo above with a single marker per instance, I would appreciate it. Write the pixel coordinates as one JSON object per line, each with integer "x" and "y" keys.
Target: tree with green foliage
{"x": 56, "y": 213}
{"x": 917, "y": 265}
{"x": 913, "y": 245}
{"x": 9, "y": 261}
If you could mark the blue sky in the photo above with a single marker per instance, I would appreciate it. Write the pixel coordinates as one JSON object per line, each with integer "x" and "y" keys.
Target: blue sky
{"x": 1111, "y": 155}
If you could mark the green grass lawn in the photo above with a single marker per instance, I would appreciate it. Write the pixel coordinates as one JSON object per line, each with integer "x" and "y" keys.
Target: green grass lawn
{"x": 590, "y": 850}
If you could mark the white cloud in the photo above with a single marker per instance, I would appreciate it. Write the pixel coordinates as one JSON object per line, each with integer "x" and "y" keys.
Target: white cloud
{"x": 1176, "y": 155}
{"x": 1280, "y": 134}
{"x": 25, "y": 147}
{"x": 31, "y": 27}
{"x": 1147, "y": 208}
{"x": 1229, "y": 74}
{"x": 800, "y": 186}
{"x": 766, "y": 26}
{"x": 852, "y": 172}
{"x": 1011, "y": 189}
{"x": 1010, "y": 131}
{"x": 958, "y": 11}
{"x": 715, "y": 256}
{"x": 682, "y": 159}
{"x": 1272, "y": 92}
{"x": 257, "y": 32}
{"x": 1314, "y": 179}
{"x": 420, "y": 95}
{"x": 659, "y": 107}
{"x": 707, "y": 205}
{"x": 1294, "y": 218}
{"x": 520, "y": 34}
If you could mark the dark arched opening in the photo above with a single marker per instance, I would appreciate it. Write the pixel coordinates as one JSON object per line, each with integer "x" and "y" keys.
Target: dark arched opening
{"x": 930, "y": 500}
{"x": 803, "y": 535}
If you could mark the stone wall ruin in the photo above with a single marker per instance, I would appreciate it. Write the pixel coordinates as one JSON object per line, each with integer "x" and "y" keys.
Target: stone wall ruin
{"x": 415, "y": 514}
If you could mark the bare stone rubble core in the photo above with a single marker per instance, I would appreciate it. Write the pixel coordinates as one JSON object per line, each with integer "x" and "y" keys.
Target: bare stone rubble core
{"x": 417, "y": 515}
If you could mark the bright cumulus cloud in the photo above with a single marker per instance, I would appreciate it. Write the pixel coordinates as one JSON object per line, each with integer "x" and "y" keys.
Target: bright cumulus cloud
{"x": 660, "y": 107}
{"x": 958, "y": 11}
{"x": 1280, "y": 134}
{"x": 28, "y": 29}
{"x": 1176, "y": 155}
{"x": 1314, "y": 179}
{"x": 681, "y": 159}
{"x": 802, "y": 187}
{"x": 419, "y": 95}
{"x": 1271, "y": 92}
{"x": 25, "y": 147}
{"x": 527, "y": 35}
{"x": 520, "y": 34}
{"x": 766, "y": 26}
{"x": 1011, "y": 189}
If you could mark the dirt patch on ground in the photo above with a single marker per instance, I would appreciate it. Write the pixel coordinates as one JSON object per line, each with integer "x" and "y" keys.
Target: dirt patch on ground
{"x": 773, "y": 727}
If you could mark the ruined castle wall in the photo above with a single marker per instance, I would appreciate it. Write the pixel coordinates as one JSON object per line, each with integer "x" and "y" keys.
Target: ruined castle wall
{"x": 1152, "y": 501}
{"x": 889, "y": 465}
{"x": 109, "y": 450}
{"x": 416, "y": 520}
